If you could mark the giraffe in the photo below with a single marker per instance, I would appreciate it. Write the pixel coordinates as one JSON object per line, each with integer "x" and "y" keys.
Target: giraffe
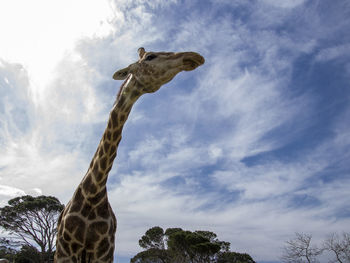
{"x": 87, "y": 225}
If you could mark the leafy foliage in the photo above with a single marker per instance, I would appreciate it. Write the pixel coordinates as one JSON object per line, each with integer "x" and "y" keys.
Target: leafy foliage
{"x": 192, "y": 247}
{"x": 154, "y": 238}
{"x": 32, "y": 220}
{"x": 7, "y": 250}
{"x": 28, "y": 254}
{"x": 152, "y": 255}
{"x": 234, "y": 257}
{"x": 177, "y": 245}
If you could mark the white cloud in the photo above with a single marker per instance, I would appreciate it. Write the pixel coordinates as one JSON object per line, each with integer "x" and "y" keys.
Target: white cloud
{"x": 339, "y": 51}
{"x": 284, "y": 3}
{"x": 271, "y": 178}
{"x": 38, "y": 33}
{"x": 154, "y": 205}
{"x": 268, "y": 180}
{"x": 8, "y": 192}
{"x": 34, "y": 142}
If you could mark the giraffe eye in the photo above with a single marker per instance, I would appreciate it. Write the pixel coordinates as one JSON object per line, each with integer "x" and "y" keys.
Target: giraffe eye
{"x": 150, "y": 57}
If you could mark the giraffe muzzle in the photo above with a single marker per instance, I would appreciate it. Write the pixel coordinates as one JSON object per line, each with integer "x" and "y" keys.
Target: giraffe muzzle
{"x": 192, "y": 60}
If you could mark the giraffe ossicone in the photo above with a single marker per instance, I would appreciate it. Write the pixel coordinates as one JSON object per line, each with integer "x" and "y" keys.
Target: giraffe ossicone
{"x": 87, "y": 225}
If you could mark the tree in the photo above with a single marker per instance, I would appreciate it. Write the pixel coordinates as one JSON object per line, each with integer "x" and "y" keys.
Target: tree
{"x": 339, "y": 246}
{"x": 153, "y": 238}
{"x": 233, "y": 257}
{"x": 7, "y": 250}
{"x": 176, "y": 245}
{"x": 192, "y": 247}
{"x": 32, "y": 220}
{"x": 299, "y": 250}
{"x": 152, "y": 255}
{"x": 28, "y": 254}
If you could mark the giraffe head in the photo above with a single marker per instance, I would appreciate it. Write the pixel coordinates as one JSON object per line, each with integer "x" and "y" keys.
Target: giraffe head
{"x": 153, "y": 69}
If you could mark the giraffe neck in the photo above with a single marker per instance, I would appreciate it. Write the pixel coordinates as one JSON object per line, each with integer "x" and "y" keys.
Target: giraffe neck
{"x": 93, "y": 185}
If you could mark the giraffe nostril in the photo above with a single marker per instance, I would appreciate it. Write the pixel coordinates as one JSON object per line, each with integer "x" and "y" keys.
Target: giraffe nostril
{"x": 189, "y": 63}
{"x": 192, "y": 60}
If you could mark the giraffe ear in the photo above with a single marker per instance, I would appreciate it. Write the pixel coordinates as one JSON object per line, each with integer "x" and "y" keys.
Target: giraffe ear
{"x": 121, "y": 74}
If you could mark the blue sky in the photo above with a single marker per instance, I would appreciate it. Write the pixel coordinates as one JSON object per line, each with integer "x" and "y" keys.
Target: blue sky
{"x": 253, "y": 145}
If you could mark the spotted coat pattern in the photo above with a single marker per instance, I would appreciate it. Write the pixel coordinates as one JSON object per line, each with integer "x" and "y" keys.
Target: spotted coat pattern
{"x": 87, "y": 225}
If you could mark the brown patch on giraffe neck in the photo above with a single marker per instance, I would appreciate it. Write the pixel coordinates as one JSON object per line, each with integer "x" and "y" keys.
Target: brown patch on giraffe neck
{"x": 89, "y": 187}
{"x": 76, "y": 226}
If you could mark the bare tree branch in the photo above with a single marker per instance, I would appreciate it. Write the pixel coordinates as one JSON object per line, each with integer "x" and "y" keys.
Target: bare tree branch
{"x": 299, "y": 250}
{"x": 339, "y": 246}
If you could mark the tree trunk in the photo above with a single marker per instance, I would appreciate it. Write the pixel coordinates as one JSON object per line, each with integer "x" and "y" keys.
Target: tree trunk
{"x": 42, "y": 254}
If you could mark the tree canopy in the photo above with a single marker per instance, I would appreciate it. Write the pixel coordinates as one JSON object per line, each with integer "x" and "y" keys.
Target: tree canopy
{"x": 178, "y": 245}
{"x": 26, "y": 254}
{"x": 32, "y": 220}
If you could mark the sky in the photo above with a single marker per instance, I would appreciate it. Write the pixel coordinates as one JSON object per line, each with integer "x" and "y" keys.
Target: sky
{"x": 253, "y": 145}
